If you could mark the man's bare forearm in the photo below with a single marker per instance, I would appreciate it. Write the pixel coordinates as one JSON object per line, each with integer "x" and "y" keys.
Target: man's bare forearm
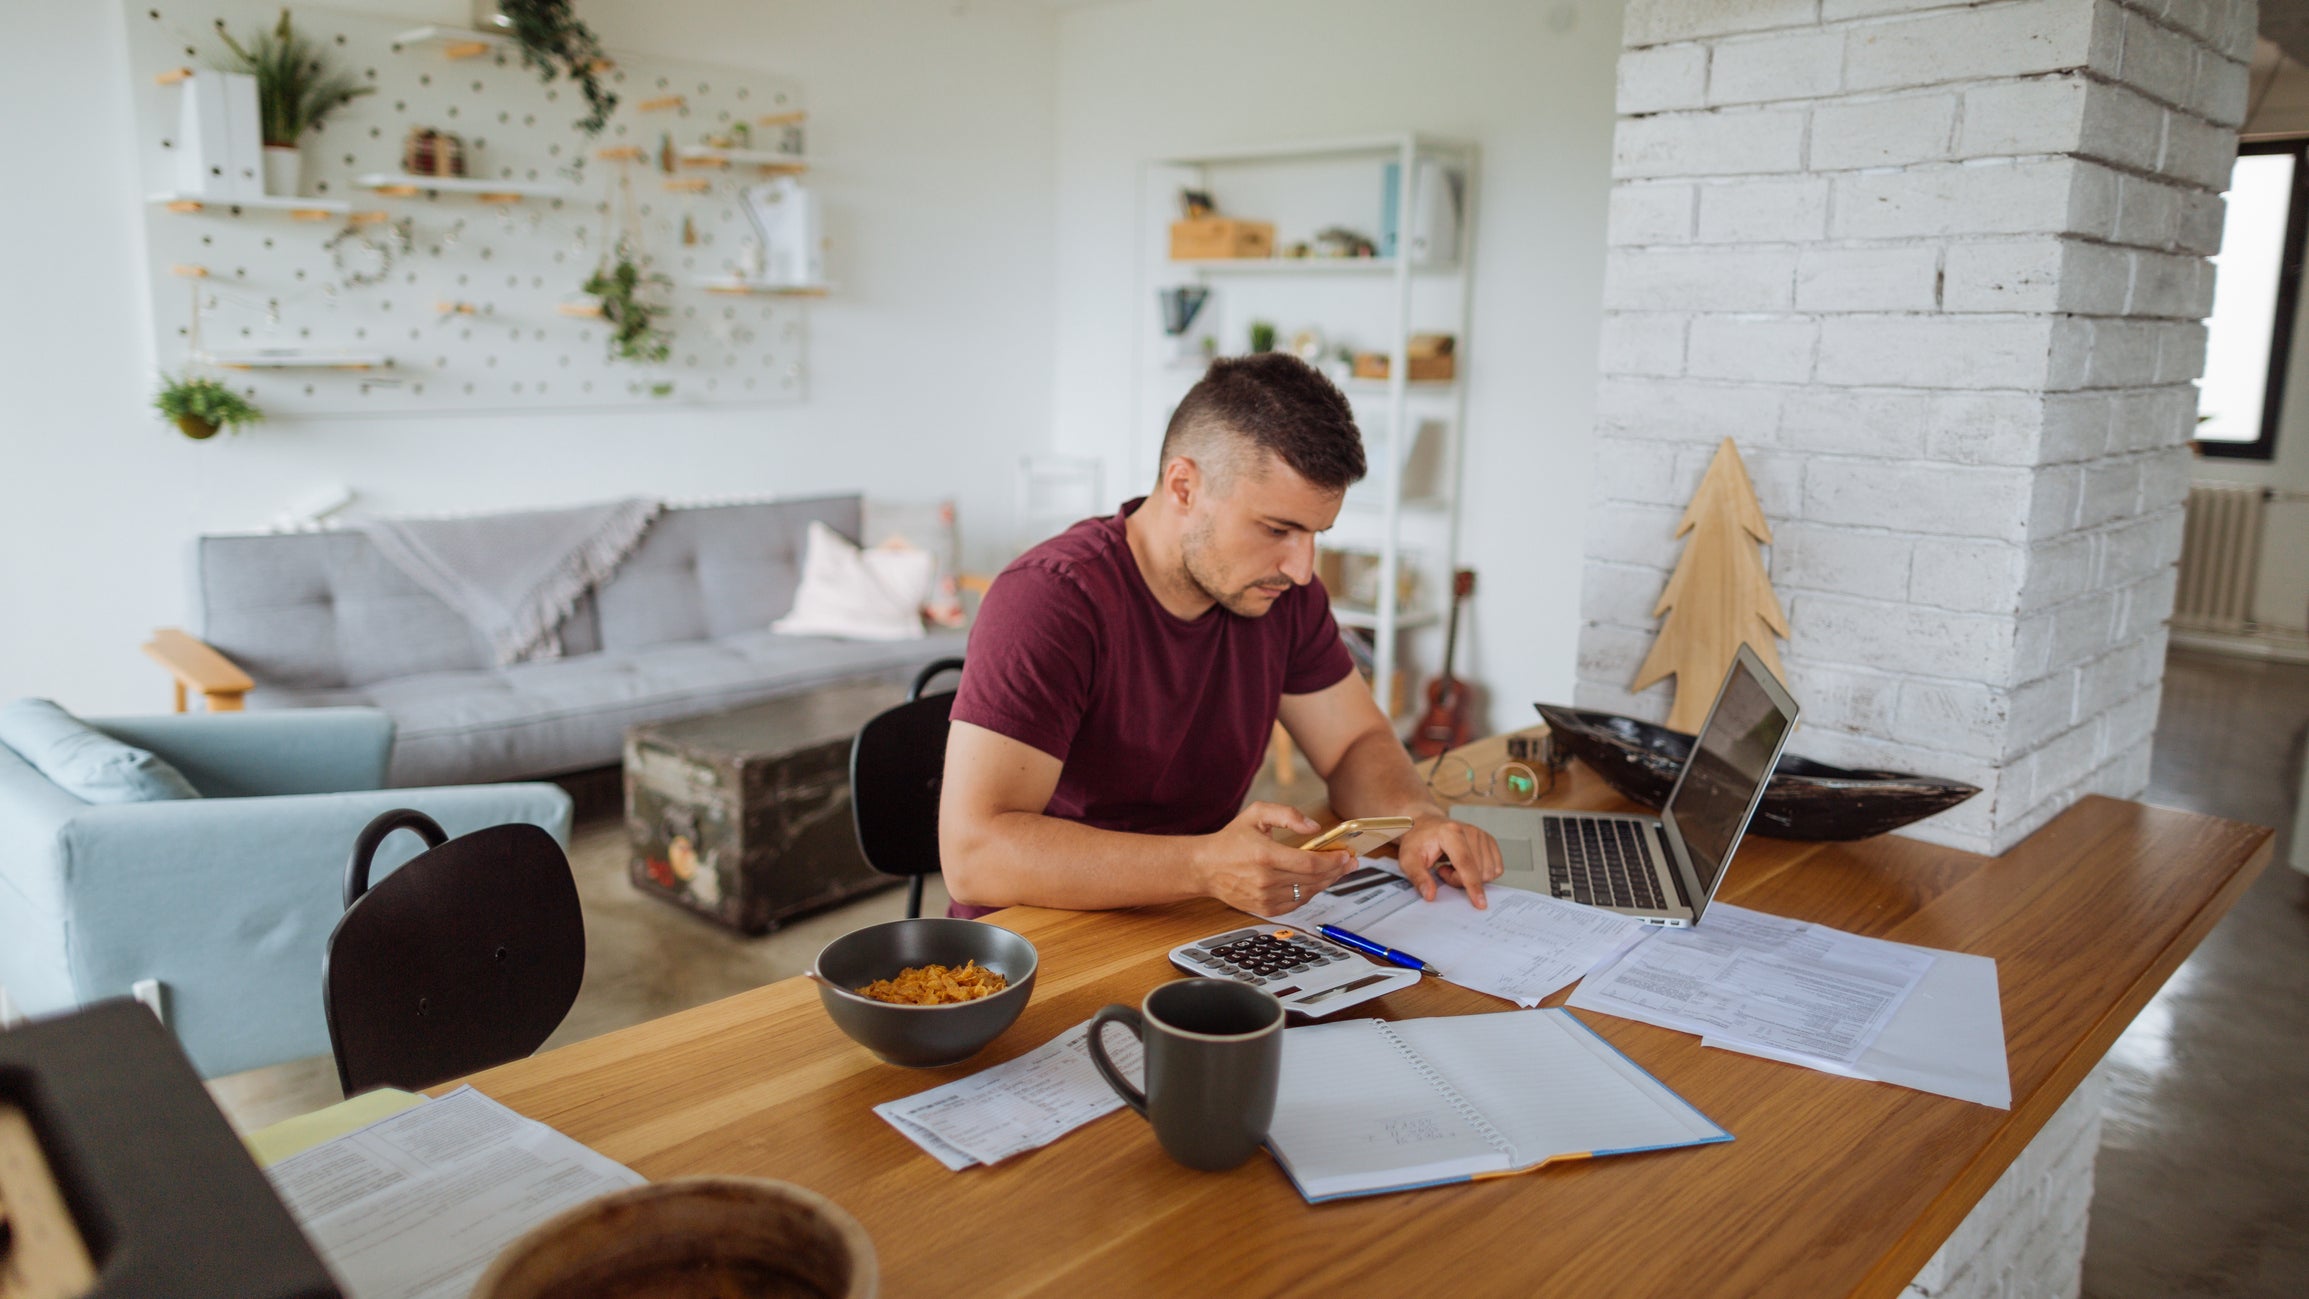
{"x": 1375, "y": 778}
{"x": 1028, "y": 859}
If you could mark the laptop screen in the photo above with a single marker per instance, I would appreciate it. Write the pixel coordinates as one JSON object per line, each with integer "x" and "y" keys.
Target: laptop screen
{"x": 1729, "y": 766}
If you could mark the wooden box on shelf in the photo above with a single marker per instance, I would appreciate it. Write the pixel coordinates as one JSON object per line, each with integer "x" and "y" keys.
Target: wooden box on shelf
{"x": 1430, "y": 355}
{"x": 1374, "y": 365}
{"x": 1204, "y": 238}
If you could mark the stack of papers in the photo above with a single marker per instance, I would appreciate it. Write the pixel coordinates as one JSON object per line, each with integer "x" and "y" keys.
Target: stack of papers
{"x": 1809, "y": 995}
{"x": 1524, "y": 946}
{"x": 1744, "y": 977}
{"x": 415, "y": 1206}
{"x": 1018, "y": 1105}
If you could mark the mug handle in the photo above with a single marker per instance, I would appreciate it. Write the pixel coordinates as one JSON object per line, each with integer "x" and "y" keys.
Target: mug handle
{"x": 1129, "y": 1018}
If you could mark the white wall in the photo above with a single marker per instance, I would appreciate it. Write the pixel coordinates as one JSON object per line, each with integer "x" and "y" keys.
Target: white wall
{"x": 929, "y": 369}
{"x": 2281, "y": 592}
{"x": 1531, "y": 82}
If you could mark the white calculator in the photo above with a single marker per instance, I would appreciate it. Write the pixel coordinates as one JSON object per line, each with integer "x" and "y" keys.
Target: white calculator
{"x": 1309, "y": 974}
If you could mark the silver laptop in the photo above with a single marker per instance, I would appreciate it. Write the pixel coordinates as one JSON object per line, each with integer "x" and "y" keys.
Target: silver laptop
{"x": 1661, "y": 869}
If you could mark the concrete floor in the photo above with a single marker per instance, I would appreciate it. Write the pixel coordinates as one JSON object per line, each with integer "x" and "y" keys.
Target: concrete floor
{"x": 2203, "y": 1182}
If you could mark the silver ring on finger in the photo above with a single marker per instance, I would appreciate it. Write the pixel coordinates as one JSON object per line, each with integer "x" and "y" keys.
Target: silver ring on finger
{"x": 1294, "y": 893}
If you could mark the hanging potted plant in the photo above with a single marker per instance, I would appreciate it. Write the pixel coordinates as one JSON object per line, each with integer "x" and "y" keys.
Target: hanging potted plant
{"x": 554, "y": 42}
{"x": 634, "y": 331}
{"x": 202, "y": 406}
{"x": 295, "y": 93}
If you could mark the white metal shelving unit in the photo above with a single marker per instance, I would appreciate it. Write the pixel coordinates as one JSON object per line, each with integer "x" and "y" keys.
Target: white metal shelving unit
{"x": 1393, "y": 296}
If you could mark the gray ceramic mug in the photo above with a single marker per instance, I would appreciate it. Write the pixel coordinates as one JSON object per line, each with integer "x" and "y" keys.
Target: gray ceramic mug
{"x": 1214, "y": 1056}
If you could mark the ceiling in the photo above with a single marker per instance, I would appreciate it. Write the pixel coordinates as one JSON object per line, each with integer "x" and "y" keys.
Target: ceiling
{"x": 2278, "y": 101}
{"x": 2287, "y": 23}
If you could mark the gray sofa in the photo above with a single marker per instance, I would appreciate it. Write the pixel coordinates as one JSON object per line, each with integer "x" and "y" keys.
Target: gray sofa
{"x": 320, "y": 619}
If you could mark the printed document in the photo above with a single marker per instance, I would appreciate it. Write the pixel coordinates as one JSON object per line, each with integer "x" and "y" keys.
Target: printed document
{"x": 1361, "y": 897}
{"x": 415, "y": 1206}
{"x": 1018, "y": 1105}
{"x": 1523, "y": 947}
{"x": 1947, "y": 1038}
{"x": 1741, "y": 976}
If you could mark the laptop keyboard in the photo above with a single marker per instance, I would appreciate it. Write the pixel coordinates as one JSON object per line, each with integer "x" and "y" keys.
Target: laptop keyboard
{"x": 1601, "y": 863}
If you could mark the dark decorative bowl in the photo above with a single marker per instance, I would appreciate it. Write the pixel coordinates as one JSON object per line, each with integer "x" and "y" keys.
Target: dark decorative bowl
{"x": 923, "y": 1037}
{"x": 1806, "y": 799}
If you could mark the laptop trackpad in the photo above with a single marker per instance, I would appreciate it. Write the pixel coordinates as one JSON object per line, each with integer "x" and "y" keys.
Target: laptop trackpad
{"x": 1520, "y": 855}
{"x": 1522, "y": 871}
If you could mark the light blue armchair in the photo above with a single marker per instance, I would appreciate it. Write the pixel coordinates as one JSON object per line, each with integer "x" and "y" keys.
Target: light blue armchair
{"x": 226, "y": 900}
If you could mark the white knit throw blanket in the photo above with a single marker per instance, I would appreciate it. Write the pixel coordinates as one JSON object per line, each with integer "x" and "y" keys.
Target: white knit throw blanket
{"x": 515, "y": 577}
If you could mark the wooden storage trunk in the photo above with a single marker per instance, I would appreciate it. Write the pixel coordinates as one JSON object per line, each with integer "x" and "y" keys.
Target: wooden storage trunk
{"x": 744, "y": 816}
{"x": 1207, "y": 237}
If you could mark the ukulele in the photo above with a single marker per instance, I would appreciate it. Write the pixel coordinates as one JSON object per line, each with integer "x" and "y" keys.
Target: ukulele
{"x": 1448, "y": 722}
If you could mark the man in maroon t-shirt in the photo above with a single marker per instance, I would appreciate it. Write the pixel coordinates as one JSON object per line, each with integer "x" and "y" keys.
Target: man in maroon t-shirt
{"x": 1123, "y": 679}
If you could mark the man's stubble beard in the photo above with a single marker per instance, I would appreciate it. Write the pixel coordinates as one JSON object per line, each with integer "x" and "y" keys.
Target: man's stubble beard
{"x": 1243, "y": 602}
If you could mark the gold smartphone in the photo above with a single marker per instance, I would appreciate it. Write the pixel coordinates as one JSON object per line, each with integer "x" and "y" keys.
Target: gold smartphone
{"x": 1360, "y": 837}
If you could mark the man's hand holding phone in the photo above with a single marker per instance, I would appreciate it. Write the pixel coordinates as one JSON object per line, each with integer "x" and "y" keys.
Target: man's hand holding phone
{"x": 1245, "y": 868}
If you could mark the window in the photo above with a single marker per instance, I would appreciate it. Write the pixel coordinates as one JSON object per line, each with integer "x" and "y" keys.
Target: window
{"x": 2255, "y": 296}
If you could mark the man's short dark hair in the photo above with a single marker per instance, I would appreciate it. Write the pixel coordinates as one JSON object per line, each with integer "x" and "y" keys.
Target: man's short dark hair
{"x": 1270, "y": 402}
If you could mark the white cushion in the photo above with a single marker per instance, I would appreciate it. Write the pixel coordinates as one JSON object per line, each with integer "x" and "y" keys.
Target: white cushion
{"x": 859, "y": 594}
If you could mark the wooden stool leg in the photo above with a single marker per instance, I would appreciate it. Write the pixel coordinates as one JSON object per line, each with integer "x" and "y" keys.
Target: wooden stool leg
{"x": 1286, "y": 770}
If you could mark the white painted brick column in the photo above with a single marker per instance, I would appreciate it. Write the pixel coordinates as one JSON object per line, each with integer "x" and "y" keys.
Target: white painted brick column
{"x": 2026, "y": 1237}
{"x": 1940, "y": 270}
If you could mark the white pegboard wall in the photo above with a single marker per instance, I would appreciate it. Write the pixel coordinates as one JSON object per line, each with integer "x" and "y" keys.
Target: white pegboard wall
{"x": 470, "y": 312}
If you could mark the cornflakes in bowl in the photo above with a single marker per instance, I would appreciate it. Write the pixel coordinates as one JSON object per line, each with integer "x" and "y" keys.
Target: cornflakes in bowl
{"x": 936, "y": 985}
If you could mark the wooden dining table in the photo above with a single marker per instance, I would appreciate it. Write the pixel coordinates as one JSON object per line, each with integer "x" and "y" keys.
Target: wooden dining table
{"x": 1832, "y": 1186}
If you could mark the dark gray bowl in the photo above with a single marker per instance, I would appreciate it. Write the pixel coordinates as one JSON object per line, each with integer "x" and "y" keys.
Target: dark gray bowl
{"x": 923, "y": 1037}
{"x": 1806, "y": 799}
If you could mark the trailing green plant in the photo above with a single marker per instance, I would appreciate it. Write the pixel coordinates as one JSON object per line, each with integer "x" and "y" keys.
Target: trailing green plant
{"x": 634, "y": 331}
{"x": 554, "y": 42}
{"x": 295, "y": 89}
{"x": 202, "y": 406}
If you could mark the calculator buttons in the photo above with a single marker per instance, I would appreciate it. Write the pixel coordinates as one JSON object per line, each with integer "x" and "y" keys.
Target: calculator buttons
{"x": 1309, "y": 971}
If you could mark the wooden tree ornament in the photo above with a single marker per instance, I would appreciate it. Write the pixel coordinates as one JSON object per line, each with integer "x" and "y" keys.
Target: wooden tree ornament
{"x": 1719, "y": 597}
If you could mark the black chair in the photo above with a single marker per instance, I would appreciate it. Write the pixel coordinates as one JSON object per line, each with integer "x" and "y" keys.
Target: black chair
{"x": 466, "y": 957}
{"x": 897, "y": 765}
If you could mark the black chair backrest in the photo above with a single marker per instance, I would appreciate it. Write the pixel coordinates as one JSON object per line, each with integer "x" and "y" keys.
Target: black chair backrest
{"x": 466, "y": 957}
{"x": 897, "y": 765}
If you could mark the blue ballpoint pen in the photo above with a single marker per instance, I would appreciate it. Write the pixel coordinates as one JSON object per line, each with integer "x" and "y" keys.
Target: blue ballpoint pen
{"x": 1347, "y": 938}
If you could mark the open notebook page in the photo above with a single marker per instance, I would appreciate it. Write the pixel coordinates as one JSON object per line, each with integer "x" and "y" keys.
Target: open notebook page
{"x": 1552, "y": 1087}
{"x": 1354, "y": 1113}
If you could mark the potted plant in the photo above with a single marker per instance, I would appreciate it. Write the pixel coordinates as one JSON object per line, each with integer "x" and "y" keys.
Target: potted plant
{"x": 553, "y": 41}
{"x": 634, "y": 334}
{"x": 295, "y": 92}
{"x": 202, "y": 406}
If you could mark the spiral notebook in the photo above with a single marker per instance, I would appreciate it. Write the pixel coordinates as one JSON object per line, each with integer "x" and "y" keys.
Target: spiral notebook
{"x": 1458, "y": 1097}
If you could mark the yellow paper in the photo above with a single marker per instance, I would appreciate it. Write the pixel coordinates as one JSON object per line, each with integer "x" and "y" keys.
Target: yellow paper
{"x": 273, "y": 1144}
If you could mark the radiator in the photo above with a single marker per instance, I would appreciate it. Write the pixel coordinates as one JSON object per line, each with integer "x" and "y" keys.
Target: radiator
{"x": 2220, "y": 554}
